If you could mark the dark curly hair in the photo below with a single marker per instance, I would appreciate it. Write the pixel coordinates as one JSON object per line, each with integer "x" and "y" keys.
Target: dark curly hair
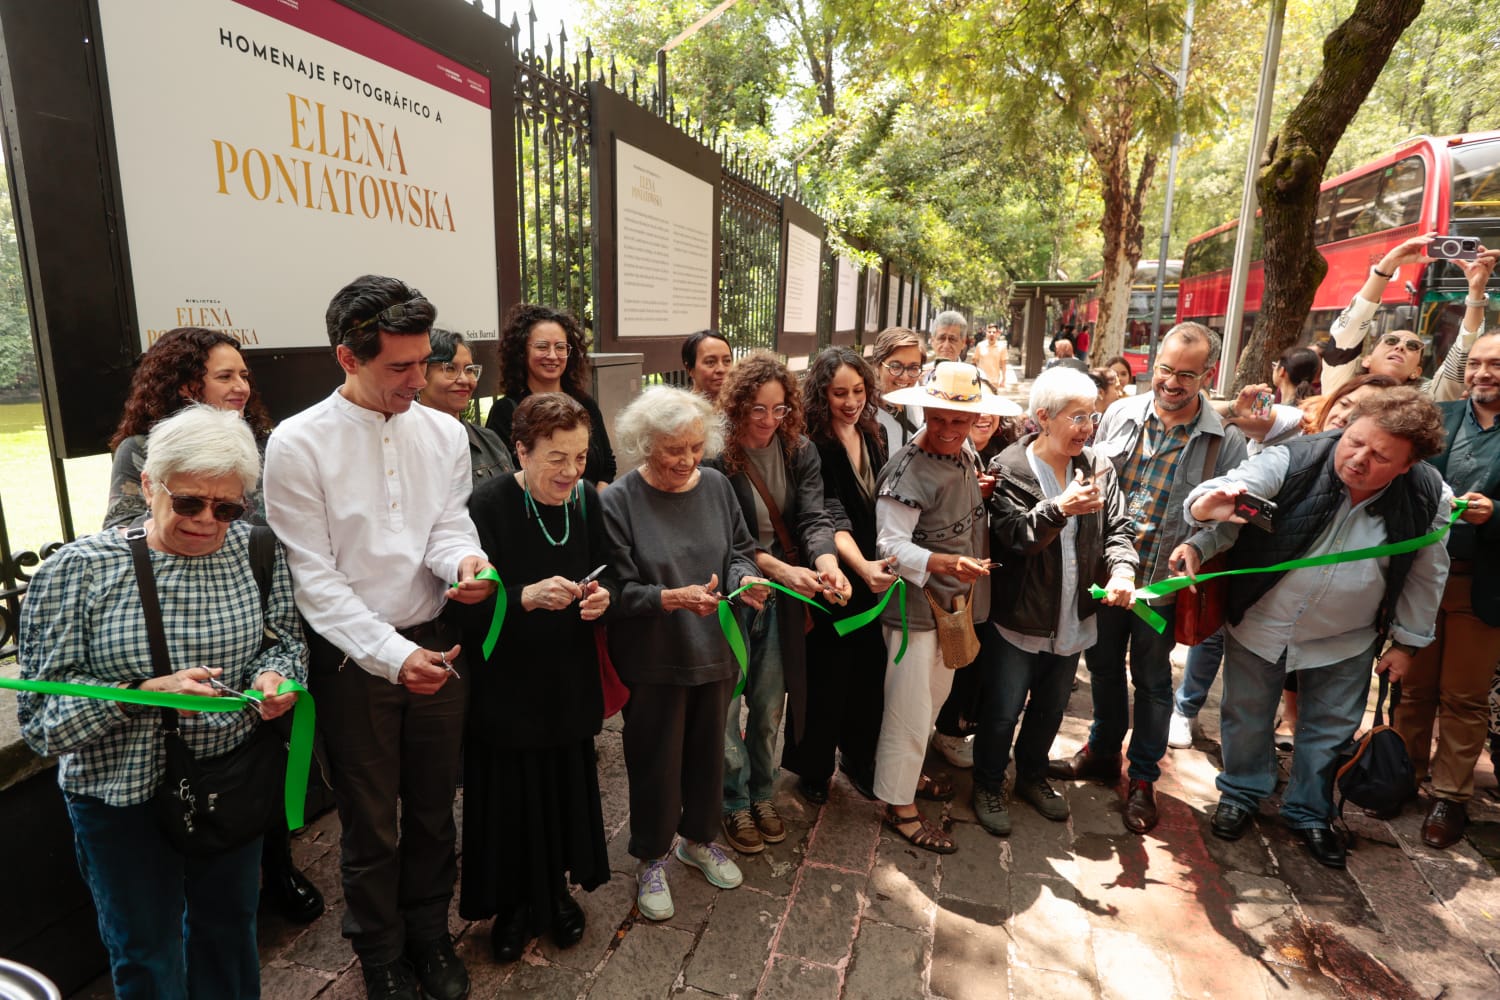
{"x": 737, "y": 396}
{"x": 371, "y": 305}
{"x": 177, "y": 361}
{"x": 519, "y": 322}
{"x": 1406, "y": 413}
{"x": 820, "y": 374}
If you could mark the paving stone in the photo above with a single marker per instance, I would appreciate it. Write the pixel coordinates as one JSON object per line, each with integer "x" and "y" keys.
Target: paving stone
{"x": 486, "y": 976}
{"x": 974, "y": 871}
{"x": 645, "y": 965}
{"x": 1323, "y": 893}
{"x": 285, "y": 982}
{"x": 1248, "y": 854}
{"x": 1263, "y": 908}
{"x": 322, "y": 945}
{"x": 1130, "y": 969}
{"x": 901, "y": 886}
{"x": 845, "y": 835}
{"x": 1039, "y": 846}
{"x": 1470, "y": 889}
{"x": 1049, "y": 929}
{"x": 820, "y": 924}
{"x": 1095, "y": 808}
{"x": 604, "y": 910}
{"x": 731, "y": 955}
{"x": 1027, "y": 982}
{"x": 792, "y": 979}
{"x": 534, "y": 982}
{"x": 970, "y": 951}
{"x": 887, "y": 964}
{"x": 614, "y": 785}
{"x": 692, "y": 895}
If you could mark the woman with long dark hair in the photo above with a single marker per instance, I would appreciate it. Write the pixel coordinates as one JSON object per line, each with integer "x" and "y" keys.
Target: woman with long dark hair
{"x": 542, "y": 350}
{"x": 1295, "y": 374}
{"x": 845, "y": 675}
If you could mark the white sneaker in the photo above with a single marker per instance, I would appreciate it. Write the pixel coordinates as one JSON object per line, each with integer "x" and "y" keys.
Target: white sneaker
{"x": 652, "y": 895}
{"x": 958, "y": 749}
{"x": 711, "y": 860}
{"x": 1181, "y": 730}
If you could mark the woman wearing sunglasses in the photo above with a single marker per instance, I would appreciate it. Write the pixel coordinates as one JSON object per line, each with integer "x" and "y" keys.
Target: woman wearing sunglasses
{"x": 452, "y": 377}
{"x": 898, "y": 361}
{"x": 542, "y": 350}
{"x": 778, "y": 479}
{"x": 174, "y": 926}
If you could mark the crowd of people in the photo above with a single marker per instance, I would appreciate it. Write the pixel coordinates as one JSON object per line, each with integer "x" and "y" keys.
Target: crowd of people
{"x": 671, "y": 571}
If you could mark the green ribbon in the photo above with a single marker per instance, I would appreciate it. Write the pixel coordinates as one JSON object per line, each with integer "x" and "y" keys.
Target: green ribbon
{"x": 846, "y": 625}
{"x": 497, "y": 620}
{"x": 304, "y": 720}
{"x": 731, "y": 628}
{"x": 1172, "y": 585}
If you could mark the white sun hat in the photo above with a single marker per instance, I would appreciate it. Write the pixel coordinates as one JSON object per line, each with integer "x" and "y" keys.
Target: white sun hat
{"x": 953, "y": 386}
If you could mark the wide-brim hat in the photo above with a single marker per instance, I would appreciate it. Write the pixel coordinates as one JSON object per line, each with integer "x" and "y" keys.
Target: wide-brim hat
{"x": 954, "y": 386}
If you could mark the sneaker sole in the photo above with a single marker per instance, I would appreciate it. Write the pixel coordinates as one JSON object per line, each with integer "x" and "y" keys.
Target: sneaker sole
{"x": 766, "y": 838}
{"x": 671, "y": 911}
{"x": 995, "y": 830}
{"x": 717, "y": 883}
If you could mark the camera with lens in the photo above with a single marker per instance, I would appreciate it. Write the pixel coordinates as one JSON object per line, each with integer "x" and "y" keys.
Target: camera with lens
{"x": 1453, "y": 248}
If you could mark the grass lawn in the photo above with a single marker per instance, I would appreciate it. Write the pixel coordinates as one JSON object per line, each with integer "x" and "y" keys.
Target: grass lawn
{"x": 26, "y": 485}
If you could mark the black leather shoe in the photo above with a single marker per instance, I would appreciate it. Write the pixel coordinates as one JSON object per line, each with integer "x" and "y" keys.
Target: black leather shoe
{"x": 439, "y": 969}
{"x": 391, "y": 981}
{"x": 815, "y": 794}
{"x": 290, "y": 893}
{"x": 1231, "y": 821}
{"x": 1086, "y": 764}
{"x": 567, "y": 919}
{"x": 1326, "y": 847}
{"x": 1140, "y": 807}
{"x": 508, "y": 936}
{"x": 1444, "y": 825}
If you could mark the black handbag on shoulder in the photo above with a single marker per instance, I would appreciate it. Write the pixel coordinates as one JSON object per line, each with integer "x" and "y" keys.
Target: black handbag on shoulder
{"x": 209, "y": 806}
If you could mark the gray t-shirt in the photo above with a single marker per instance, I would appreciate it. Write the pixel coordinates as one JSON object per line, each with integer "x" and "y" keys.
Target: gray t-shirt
{"x": 770, "y": 462}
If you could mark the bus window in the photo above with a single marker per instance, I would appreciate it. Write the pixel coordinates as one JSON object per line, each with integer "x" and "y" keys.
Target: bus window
{"x": 1401, "y": 194}
{"x": 1322, "y": 225}
{"x": 1476, "y": 181}
{"x": 1353, "y": 204}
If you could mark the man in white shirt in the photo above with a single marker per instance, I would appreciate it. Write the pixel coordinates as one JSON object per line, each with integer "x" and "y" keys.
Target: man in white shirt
{"x": 990, "y": 355}
{"x": 369, "y": 495}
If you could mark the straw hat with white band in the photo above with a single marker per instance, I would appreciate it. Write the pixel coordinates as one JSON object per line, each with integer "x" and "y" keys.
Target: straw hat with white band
{"x": 953, "y": 386}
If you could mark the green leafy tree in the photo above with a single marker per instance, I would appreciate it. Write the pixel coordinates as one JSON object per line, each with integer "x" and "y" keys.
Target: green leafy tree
{"x": 18, "y": 374}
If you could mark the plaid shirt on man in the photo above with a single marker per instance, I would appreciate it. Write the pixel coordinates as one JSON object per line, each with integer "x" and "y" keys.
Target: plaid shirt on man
{"x": 82, "y": 623}
{"x": 1146, "y": 480}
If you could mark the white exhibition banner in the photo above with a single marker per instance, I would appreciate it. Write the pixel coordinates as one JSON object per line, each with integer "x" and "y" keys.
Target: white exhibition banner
{"x": 907, "y": 305}
{"x": 804, "y": 265}
{"x": 664, "y": 247}
{"x": 872, "y": 299}
{"x": 845, "y": 294}
{"x": 893, "y": 300}
{"x": 272, "y": 150}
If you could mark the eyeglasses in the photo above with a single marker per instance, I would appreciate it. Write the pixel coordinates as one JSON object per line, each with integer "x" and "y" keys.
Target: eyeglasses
{"x": 391, "y": 314}
{"x": 452, "y": 370}
{"x": 778, "y": 412}
{"x": 1410, "y": 343}
{"x": 1079, "y": 419}
{"x": 560, "y": 349}
{"x": 1186, "y": 378}
{"x": 896, "y": 369}
{"x": 188, "y": 506}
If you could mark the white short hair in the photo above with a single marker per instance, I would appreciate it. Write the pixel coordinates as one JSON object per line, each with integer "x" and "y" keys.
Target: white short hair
{"x": 199, "y": 440}
{"x": 1056, "y": 387}
{"x": 663, "y": 411}
{"x": 950, "y": 317}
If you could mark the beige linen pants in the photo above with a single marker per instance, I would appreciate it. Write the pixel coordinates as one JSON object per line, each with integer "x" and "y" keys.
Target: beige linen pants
{"x": 915, "y": 690}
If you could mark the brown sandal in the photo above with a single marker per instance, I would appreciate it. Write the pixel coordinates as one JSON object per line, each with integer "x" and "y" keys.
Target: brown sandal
{"x": 926, "y": 835}
{"x": 935, "y": 788}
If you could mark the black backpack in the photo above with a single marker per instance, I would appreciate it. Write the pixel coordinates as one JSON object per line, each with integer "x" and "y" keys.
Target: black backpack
{"x": 1377, "y": 772}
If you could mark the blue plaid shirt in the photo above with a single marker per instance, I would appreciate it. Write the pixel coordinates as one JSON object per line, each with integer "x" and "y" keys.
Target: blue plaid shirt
{"x": 82, "y": 623}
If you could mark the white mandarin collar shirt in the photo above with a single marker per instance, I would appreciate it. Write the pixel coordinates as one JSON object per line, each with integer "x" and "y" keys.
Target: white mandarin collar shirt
{"x": 373, "y": 512}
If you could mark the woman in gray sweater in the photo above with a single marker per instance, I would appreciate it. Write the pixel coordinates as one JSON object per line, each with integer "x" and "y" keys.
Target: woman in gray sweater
{"x": 681, "y": 543}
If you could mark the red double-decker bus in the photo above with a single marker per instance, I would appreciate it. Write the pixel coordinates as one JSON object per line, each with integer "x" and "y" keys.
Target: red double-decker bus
{"x": 1449, "y": 184}
{"x": 1139, "y": 312}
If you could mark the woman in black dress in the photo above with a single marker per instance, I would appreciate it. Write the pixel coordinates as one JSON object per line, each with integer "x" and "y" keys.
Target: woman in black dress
{"x": 532, "y": 818}
{"x": 845, "y": 675}
{"x": 542, "y": 350}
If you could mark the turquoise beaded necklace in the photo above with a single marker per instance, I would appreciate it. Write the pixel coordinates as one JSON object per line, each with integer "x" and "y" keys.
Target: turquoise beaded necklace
{"x": 531, "y": 511}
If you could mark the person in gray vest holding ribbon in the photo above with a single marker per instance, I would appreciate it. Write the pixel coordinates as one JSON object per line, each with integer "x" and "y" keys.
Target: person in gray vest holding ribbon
{"x": 1335, "y": 493}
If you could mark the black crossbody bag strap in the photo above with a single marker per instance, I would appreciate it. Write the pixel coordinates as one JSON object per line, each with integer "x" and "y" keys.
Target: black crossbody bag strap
{"x": 161, "y": 660}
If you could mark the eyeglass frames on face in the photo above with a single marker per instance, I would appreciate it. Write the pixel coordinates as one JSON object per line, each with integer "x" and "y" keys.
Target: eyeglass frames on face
{"x": 560, "y": 349}
{"x": 191, "y": 506}
{"x": 776, "y": 412}
{"x": 452, "y": 370}
{"x": 896, "y": 369}
{"x": 1410, "y": 343}
{"x": 1186, "y": 378}
{"x": 1079, "y": 419}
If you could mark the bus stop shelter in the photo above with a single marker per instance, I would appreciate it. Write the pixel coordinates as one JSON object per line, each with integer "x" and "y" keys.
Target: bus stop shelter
{"x": 1028, "y": 310}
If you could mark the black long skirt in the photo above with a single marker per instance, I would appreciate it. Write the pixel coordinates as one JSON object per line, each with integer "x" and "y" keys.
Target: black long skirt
{"x": 531, "y": 819}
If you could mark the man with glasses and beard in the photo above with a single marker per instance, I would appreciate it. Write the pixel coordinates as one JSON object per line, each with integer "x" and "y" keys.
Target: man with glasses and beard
{"x": 1162, "y": 445}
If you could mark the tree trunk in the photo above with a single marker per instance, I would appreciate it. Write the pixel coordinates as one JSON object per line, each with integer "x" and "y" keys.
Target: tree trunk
{"x": 1292, "y": 171}
{"x": 1124, "y": 234}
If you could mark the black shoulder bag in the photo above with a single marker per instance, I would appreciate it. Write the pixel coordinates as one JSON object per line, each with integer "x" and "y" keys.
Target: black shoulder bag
{"x": 209, "y": 806}
{"x": 1377, "y": 773}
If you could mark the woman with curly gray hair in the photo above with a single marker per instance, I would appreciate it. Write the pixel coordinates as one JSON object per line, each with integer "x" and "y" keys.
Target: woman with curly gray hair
{"x": 681, "y": 542}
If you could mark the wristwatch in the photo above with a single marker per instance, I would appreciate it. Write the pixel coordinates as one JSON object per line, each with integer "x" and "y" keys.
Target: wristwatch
{"x": 1404, "y": 647}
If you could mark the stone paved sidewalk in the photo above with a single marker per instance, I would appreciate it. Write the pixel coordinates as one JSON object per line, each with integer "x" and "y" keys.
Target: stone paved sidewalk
{"x": 1080, "y": 909}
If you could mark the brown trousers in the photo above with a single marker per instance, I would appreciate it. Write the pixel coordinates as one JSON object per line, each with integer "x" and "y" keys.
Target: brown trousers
{"x": 1449, "y": 684}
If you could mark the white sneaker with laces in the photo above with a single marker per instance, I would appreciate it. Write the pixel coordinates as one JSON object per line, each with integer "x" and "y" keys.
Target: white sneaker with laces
{"x": 1181, "y": 730}
{"x": 652, "y": 895}
{"x": 711, "y": 860}
{"x": 959, "y": 750}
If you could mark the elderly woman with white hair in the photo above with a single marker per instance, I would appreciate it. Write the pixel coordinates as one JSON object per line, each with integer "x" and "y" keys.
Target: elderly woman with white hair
{"x": 1058, "y": 522}
{"x": 682, "y": 543}
{"x": 174, "y": 926}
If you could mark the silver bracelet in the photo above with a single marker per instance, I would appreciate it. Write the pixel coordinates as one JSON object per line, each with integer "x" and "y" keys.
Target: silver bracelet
{"x": 1477, "y": 303}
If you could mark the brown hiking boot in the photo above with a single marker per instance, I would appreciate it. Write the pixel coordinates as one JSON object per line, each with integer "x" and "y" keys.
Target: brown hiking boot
{"x": 768, "y": 822}
{"x": 1085, "y": 765}
{"x": 741, "y": 834}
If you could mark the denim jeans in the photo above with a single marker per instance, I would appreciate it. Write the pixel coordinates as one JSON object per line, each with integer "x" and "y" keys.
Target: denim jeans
{"x": 176, "y": 928}
{"x": 1122, "y": 633}
{"x": 1330, "y": 705}
{"x": 1009, "y": 675}
{"x": 749, "y": 765}
{"x": 1198, "y": 676}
